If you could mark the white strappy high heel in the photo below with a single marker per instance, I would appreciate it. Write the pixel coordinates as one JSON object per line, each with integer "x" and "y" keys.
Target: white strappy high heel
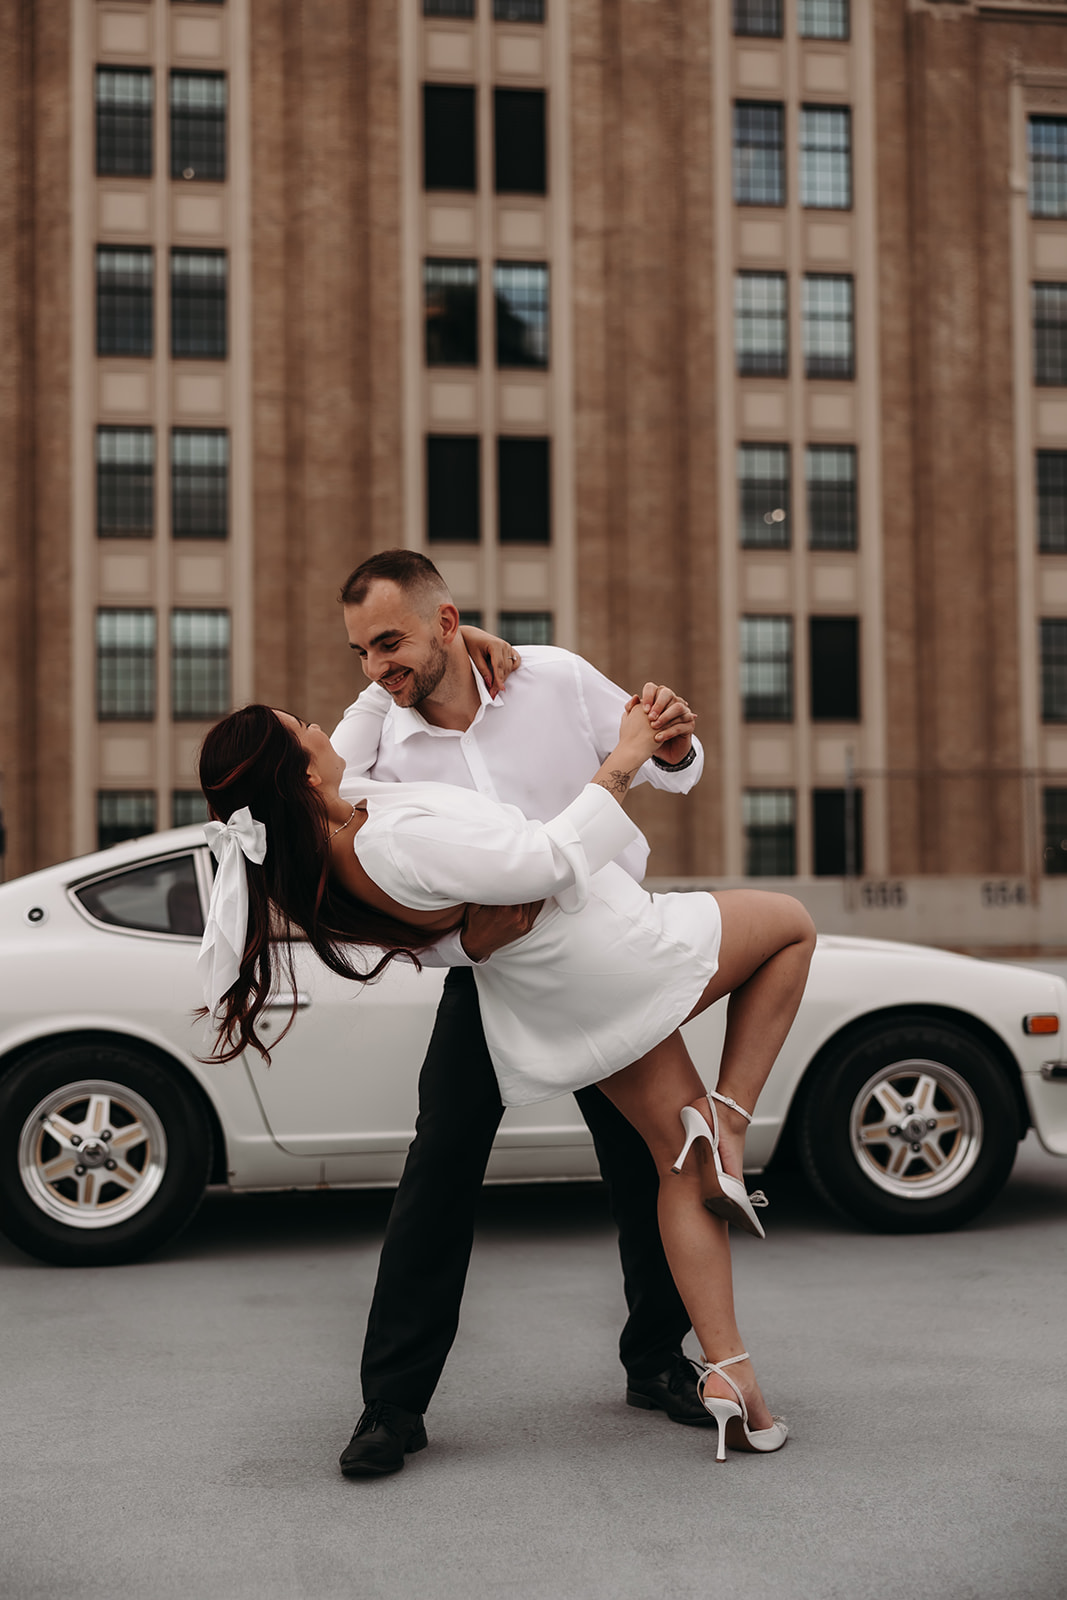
{"x": 729, "y": 1198}
{"x": 729, "y": 1413}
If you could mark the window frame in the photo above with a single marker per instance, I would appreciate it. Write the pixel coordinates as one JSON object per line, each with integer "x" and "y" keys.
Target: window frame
{"x": 750, "y": 173}
{"x": 747, "y": 661}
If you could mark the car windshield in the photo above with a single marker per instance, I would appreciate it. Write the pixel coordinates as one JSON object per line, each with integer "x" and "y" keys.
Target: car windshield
{"x": 156, "y": 897}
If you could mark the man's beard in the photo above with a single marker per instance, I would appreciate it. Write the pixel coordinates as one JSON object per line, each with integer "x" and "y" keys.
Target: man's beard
{"x": 422, "y": 684}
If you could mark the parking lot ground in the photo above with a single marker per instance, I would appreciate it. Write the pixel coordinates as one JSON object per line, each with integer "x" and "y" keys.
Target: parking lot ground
{"x": 171, "y": 1428}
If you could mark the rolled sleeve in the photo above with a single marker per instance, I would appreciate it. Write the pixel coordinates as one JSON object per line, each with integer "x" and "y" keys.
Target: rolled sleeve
{"x": 358, "y": 734}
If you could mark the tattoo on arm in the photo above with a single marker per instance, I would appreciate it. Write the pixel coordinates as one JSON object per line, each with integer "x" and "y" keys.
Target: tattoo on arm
{"x": 617, "y": 782}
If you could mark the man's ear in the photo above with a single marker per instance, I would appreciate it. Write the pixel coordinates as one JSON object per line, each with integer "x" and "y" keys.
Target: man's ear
{"x": 448, "y": 622}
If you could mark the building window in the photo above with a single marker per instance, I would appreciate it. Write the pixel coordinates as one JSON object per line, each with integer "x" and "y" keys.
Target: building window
{"x": 199, "y": 483}
{"x": 448, "y": 8}
{"x": 837, "y": 829}
{"x": 449, "y": 138}
{"x": 199, "y": 664}
{"x": 822, "y": 19}
{"x": 470, "y": 619}
{"x": 835, "y": 669}
{"x": 828, "y": 330}
{"x": 759, "y": 153}
{"x": 1054, "y": 669}
{"x": 770, "y": 822}
{"x": 450, "y": 289}
{"x": 1052, "y": 502}
{"x": 521, "y": 291}
{"x": 198, "y": 304}
{"x": 526, "y": 627}
{"x": 187, "y": 806}
{"x": 124, "y": 122}
{"x": 518, "y": 10}
{"x": 1050, "y": 333}
{"x": 453, "y": 488}
{"x": 763, "y": 479}
{"x": 125, "y": 665}
{"x": 524, "y": 491}
{"x": 831, "y": 474}
{"x": 826, "y": 157}
{"x": 123, "y": 814}
{"x": 1047, "y": 141}
{"x": 758, "y": 18}
{"x": 123, "y": 302}
{"x": 519, "y": 159}
{"x": 1055, "y": 831}
{"x": 761, "y": 324}
{"x": 198, "y": 125}
{"x": 125, "y": 483}
{"x": 767, "y": 669}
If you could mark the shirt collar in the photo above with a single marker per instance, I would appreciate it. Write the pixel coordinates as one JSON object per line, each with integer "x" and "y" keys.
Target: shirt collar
{"x": 407, "y": 721}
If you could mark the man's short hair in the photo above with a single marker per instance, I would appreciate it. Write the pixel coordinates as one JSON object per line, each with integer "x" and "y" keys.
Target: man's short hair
{"x": 410, "y": 571}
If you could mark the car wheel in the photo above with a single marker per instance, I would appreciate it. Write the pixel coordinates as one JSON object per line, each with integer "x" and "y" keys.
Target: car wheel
{"x": 104, "y": 1155}
{"x": 910, "y": 1127}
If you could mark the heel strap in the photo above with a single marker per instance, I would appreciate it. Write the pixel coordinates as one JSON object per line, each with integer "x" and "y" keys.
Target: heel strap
{"x": 717, "y": 1366}
{"x": 725, "y": 1100}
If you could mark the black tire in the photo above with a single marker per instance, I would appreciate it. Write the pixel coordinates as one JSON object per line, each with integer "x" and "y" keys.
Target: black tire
{"x": 120, "y": 1209}
{"x": 865, "y": 1136}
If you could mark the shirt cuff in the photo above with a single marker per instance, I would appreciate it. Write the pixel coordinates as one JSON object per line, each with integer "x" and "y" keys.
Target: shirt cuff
{"x": 588, "y": 834}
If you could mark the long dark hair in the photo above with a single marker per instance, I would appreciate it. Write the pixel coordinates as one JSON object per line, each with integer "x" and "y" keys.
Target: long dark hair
{"x": 252, "y": 759}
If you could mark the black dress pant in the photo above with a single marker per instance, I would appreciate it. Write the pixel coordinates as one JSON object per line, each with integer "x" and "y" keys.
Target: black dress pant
{"x": 415, "y": 1311}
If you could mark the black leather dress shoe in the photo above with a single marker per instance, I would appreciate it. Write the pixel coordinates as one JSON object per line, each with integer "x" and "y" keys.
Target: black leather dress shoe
{"x": 673, "y": 1391}
{"x": 384, "y": 1435}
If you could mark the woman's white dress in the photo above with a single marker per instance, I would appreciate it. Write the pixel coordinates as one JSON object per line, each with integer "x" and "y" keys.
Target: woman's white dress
{"x": 607, "y": 970}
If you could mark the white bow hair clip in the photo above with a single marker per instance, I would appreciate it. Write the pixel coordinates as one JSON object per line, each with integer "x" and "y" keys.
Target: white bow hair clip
{"x": 223, "y": 944}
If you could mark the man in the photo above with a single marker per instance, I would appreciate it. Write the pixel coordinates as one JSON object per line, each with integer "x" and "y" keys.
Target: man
{"x": 430, "y": 716}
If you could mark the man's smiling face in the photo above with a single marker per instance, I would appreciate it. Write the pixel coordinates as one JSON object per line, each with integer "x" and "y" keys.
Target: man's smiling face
{"x": 399, "y": 648}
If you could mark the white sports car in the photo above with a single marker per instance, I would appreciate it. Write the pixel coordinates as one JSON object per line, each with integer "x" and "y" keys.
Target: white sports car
{"x": 905, "y": 1085}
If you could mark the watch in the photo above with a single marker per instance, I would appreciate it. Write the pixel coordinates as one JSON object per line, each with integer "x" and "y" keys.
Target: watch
{"x": 677, "y": 766}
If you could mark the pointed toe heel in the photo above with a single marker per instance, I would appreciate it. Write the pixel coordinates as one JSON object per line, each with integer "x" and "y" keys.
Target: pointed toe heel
{"x": 732, "y": 1416}
{"x": 728, "y": 1198}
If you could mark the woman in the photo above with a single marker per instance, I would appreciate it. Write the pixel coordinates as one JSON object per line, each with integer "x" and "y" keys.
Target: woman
{"x": 594, "y": 993}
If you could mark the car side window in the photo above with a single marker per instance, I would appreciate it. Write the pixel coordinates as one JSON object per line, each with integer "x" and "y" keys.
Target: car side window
{"x": 157, "y": 897}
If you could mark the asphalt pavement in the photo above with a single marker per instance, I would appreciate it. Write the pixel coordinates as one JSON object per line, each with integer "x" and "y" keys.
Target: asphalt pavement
{"x": 170, "y": 1430}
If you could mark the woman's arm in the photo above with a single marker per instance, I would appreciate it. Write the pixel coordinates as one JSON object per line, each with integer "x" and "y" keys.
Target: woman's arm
{"x": 637, "y": 742}
{"x": 494, "y": 659}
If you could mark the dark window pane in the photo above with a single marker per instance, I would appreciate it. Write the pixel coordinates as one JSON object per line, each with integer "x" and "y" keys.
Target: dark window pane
{"x": 763, "y": 481}
{"x": 822, "y": 19}
{"x": 1055, "y": 831}
{"x": 199, "y": 483}
{"x": 524, "y": 490}
{"x": 186, "y": 807}
{"x": 451, "y": 301}
{"x": 1047, "y": 139}
{"x": 826, "y": 157}
{"x": 526, "y": 627}
{"x": 759, "y": 153}
{"x": 199, "y": 664}
{"x": 521, "y": 291}
{"x": 470, "y": 619}
{"x": 125, "y": 483}
{"x": 519, "y": 141}
{"x": 125, "y": 665}
{"x": 448, "y": 137}
{"x": 120, "y": 814}
{"x": 124, "y": 121}
{"x": 1052, "y": 502}
{"x": 761, "y": 324}
{"x": 835, "y": 669}
{"x": 453, "y": 488}
{"x": 448, "y": 8}
{"x": 837, "y": 825}
{"x": 198, "y": 125}
{"x": 1050, "y": 333}
{"x": 828, "y": 331}
{"x": 761, "y": 18}
{"x": 1054, "y": 669}
{"x": 123, "y": 302}
{"x": 160, "y": 897}
{"x": 770, "y": 833}
{"x": 198, "y": 303}
{"x": 767, "y": 669}
{"x": 831, "y": 472}
{"x": 518, "y": 10}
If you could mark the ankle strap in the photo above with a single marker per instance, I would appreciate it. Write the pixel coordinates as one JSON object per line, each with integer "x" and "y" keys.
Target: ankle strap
{"x": 717, "y": 1366}
{"x": 725, "y": 1100}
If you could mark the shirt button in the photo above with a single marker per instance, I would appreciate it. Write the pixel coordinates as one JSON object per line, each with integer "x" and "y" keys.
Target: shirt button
{"x": 467, "y": 739}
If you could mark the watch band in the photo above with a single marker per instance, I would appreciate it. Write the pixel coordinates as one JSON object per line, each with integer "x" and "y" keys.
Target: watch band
{"x": 677, "y": 766}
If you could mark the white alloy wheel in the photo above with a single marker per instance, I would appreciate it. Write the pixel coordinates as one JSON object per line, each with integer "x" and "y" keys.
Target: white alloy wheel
{"x": 92, "y": 1154}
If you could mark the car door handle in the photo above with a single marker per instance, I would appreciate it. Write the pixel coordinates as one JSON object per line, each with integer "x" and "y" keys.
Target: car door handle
{"x": 285, "y": 1002}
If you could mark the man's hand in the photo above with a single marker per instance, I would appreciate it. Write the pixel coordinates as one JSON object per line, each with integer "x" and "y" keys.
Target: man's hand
{"x": 672, "y": 722}
{"x": 494, "y": 659}
{"x": 489, "y": 928}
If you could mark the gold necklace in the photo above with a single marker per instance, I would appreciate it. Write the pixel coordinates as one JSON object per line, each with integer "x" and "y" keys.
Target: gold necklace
{"x": 343, "y": 825}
